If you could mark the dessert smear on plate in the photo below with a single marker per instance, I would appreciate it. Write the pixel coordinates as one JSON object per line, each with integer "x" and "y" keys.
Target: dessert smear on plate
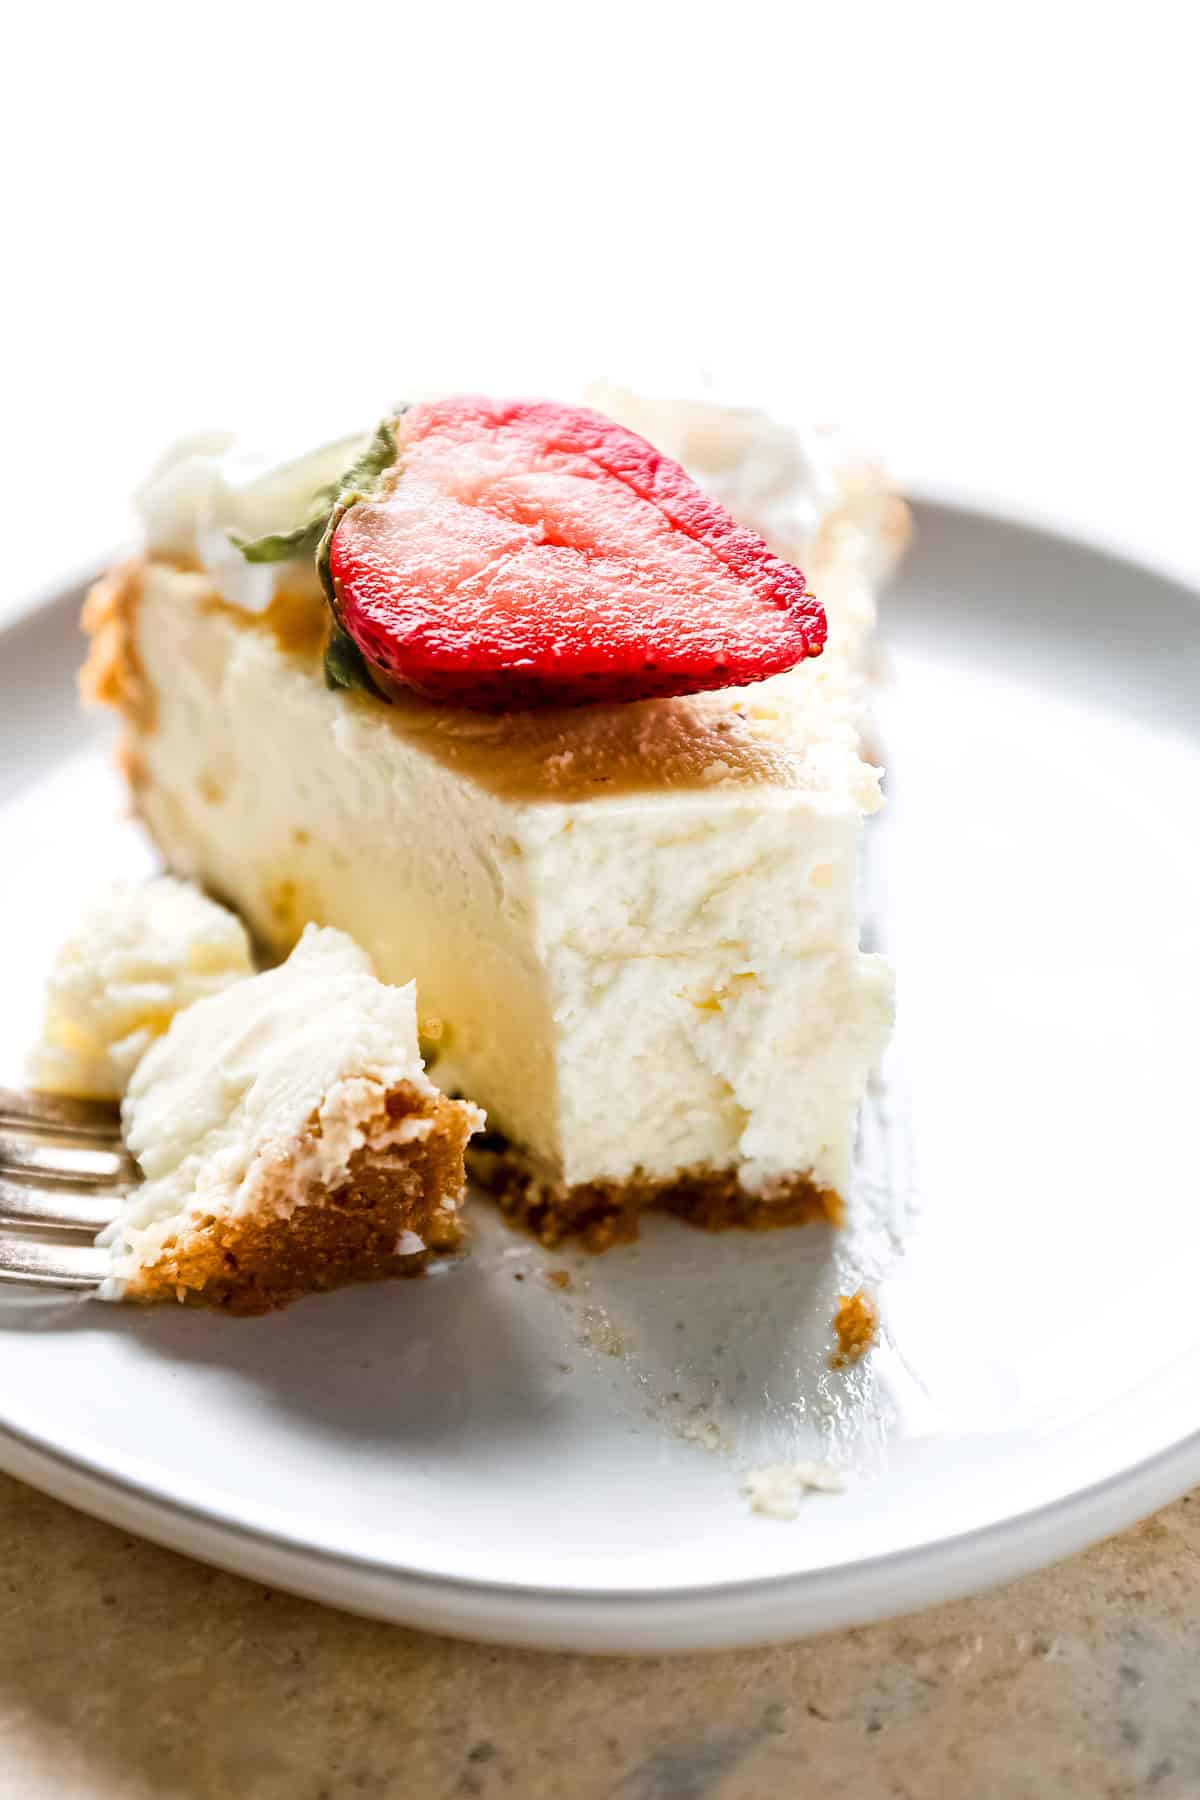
{"x": 531, "y": 705}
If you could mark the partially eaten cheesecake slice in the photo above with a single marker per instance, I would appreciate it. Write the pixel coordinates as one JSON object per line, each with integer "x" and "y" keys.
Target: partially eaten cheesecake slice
{"x": 632, "y": 922}
{"x": 290, "y": 1141}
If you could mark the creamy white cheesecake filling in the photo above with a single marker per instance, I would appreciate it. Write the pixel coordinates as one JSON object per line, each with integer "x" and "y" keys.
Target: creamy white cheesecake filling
{"x": 142, "y": 952}
{"x": 286, "y": 1068}
{"x": 633, "y": 928}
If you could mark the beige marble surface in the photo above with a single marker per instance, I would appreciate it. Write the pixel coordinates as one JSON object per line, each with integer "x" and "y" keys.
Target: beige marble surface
{"x": 127, "y": 1672}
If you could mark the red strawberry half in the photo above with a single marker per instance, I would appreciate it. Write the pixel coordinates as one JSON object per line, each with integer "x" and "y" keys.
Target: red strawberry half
{"x": 522, "y": 553}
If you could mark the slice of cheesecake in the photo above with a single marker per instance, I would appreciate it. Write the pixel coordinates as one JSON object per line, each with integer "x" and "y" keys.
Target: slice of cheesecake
{"x": 290, "y": 1141}
{"x": 633, "y": 923}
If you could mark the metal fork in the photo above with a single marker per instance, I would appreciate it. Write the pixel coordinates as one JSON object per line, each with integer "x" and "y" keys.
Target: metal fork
{"x": 63, "y": 1174}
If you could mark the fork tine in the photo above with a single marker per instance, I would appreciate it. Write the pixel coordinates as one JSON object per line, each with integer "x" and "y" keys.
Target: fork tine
{"x": 22, "y": 1203}
{"x": 25, "y": 1260}
{"x": 72, "y": 1171}
{"x": 65, "y": 1159}
{"x": 36, "y": 1111}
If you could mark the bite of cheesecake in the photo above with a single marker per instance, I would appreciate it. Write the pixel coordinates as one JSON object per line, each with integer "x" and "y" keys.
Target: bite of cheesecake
{"x": 290, "y": 1141}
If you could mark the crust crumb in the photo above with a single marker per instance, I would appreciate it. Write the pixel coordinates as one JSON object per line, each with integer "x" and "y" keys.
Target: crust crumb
{"x": 856, "y": 1323}
{"x": 776, "y": 1491}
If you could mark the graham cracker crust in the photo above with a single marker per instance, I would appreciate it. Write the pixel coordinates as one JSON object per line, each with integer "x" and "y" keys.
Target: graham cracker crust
{"x": 602, "y": 1214}
{"x": 295, "y": 1244}
{"x": 112, "y": 674}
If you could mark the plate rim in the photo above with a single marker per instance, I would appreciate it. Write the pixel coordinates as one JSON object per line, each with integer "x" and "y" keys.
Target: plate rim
{"x": 729, "y": 1614}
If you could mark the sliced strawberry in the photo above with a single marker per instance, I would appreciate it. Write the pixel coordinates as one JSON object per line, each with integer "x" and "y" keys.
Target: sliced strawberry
{"x": 522, "y": 553}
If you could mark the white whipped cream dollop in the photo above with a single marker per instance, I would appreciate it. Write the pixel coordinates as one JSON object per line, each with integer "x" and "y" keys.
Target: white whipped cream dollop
{"x": 211, "y": 488}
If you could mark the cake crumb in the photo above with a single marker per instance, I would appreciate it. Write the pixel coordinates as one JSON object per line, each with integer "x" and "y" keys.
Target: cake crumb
{"x": 559, "y": 1278}
{"x": 599, "y": 1333}
{"x": 856, "y": 1323}
{"x": 704, "y": 1432}
{"x": 776, "y": 1490}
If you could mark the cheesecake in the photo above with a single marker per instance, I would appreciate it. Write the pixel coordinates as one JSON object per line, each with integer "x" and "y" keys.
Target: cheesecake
{"x": 528, "y": 713}
{"x": 141, "y": 952}
{"x": 290, "y": 1141}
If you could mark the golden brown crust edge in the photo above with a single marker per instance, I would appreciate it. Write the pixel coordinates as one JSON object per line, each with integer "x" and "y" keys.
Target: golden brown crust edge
{"x": 112, "y": 673}
{"x": 258, "y": 1263}
{"x": 602, "y": 1214}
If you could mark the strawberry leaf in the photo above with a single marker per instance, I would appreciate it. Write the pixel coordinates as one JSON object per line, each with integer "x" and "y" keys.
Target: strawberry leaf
{"x": 357, "y": 483}
{"x": 287, "y": 546}
{"x": 345, "y": 664}
{"x": 360, "y": 482}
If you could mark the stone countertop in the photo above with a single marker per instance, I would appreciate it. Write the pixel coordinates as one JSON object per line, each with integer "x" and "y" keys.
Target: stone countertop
{"x": 127, "y": 1671}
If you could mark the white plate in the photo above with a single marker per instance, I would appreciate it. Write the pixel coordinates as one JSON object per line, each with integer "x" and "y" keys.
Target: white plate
{"x": 498, "y": 1457}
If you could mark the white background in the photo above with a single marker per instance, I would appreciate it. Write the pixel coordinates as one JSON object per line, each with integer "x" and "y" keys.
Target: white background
{"x": 969, "y": 233}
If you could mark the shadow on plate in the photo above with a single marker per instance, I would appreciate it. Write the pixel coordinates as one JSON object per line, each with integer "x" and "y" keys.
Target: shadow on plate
{"x": 712, "y": 1342}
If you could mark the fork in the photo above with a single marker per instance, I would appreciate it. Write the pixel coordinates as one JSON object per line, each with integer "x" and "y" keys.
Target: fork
{"x": 63, "y": 1175}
